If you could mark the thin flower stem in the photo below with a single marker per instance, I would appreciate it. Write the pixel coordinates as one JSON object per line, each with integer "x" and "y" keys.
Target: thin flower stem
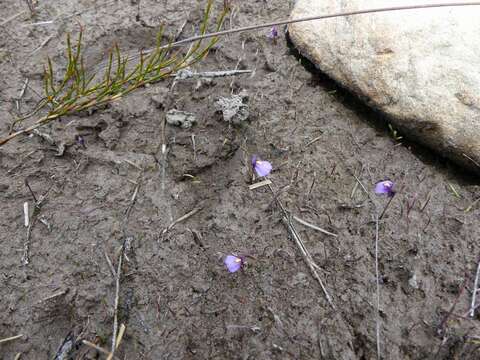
{"x": 386, "y": 207}
{"x": 474, "y": 293}
{"x": 321, "y": 17}
{"x": 377, "y": 275}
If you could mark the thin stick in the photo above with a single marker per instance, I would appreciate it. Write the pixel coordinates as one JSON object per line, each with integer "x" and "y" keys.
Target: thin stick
{"x": 313, "y": 141}
{"x": 260, "y": 184}
{"x": 5, "y": 22}
{"x": 132, "y": 202}
{"x": 194, "y": 148}
{"x": 24, "y": 87}
{"x": 164, "y": 157}
{"x": 320, "y": 17}
{"x": 187, "y": 74}
{"x": 27, "y": 184}
{"x": 45, "y": 42}
{"x": 96, "y": 347}
{"x": 182, "y": 218}
{"x": 109, "y": 263}
{"x": 306, "y": 255}
{"x": 309, "y": 18}
{"x": 36, "y": 210}
{"x": 386, "y": 207}
{"x": 469, "y": 158}
{"x": 118, "y": 274}
{"x": 121, "y": 332}
{"x": 53, "y": 296}
{"x": 303, "y": 222}
{"x": 363, "y": 187}
{"x": 377, "y": 275}
{"x": 25, "y": 214}
{"x": 117, "y": 296}
{"x": 474, "y": 294}
{"x": 10, "y": 338}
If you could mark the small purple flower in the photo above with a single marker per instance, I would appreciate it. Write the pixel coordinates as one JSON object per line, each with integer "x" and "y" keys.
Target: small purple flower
{"x": 233, "y": 263}
{"x": 385, "y": 187}
{"x": 261, "y": 167}
{"x": 80, "y": 140}
{"x": 273, "y": 33}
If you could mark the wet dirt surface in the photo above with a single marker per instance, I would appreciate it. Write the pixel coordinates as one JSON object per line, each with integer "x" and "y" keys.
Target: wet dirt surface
{"x": 176, "y": 299}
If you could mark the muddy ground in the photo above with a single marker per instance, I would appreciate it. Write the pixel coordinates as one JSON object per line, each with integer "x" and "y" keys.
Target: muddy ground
{"x": 176, "y": 298}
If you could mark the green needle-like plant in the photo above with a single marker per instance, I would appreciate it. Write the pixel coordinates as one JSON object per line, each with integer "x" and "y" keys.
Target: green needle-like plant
{"x": 79, "y": 91}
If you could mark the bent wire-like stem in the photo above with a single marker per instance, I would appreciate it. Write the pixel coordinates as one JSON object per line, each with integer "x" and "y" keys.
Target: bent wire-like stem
{"x": 79, "y": 91}
{"x": 155, "y": 64}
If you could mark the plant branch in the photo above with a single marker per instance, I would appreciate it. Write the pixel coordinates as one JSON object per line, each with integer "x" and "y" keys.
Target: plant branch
{"x": 321, "y": 17}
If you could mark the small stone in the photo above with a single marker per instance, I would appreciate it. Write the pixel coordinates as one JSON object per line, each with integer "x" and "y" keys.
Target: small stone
{"x": 413, "y": 281}
{"x": 181, "y": 118}
{"x": 233, "y": 108}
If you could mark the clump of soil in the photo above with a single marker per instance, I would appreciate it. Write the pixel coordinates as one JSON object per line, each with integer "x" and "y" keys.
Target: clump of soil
{"x": 176, "y": 299}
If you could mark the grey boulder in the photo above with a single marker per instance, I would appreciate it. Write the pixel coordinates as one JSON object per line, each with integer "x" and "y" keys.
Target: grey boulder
{"x": 419, "y": 67}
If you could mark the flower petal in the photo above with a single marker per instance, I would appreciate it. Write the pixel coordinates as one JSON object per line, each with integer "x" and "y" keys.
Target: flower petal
{"x": 254, "y": 160}
{"x": 263, "y": 168}
{"x": 273, "y": 33}
{"x": 384, "y": 187}
{"x": 233, "y": 263}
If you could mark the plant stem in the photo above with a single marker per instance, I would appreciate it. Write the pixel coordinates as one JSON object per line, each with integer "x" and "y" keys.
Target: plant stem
{"x": 386, "y": 207}
{"x": 321, "y": 17}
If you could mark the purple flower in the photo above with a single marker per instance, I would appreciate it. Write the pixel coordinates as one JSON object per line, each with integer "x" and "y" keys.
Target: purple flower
{"x": 261, "y": 167}
{"x": 273, "y": 33}
{"x": 80, "y": 140}
{"x": 233, "y": 263}
{"x": 385, "y": 187}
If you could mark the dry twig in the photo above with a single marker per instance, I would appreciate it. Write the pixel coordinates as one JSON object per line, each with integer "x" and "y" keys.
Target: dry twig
{"x": 118, "y": 274}
{"x": 321, "y": 17}
{"x": 98, "y": 348}
{"x": 474, "y": 292}
{"x": 180, "y": 219}
{"x": 188, "y": 74}
{"x": 36, "y": 211}
{"x": 314, "y": 227}
{"x": 305, "y": 253}
{"x": 11, "y": 338}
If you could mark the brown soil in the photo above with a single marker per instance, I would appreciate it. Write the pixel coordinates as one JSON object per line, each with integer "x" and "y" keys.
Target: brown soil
{"x": 176, "y": 298}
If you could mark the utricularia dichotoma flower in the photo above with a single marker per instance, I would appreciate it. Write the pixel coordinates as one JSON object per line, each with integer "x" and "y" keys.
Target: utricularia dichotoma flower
{"x": 273, "y": 33}
{"x": 261, "y": 167}
{"x": 233, "y": 263}
{"x": 385, "y": 187}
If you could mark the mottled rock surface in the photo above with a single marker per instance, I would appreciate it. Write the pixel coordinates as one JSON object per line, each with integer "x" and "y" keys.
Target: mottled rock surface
{"x": 420, "y": 67}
